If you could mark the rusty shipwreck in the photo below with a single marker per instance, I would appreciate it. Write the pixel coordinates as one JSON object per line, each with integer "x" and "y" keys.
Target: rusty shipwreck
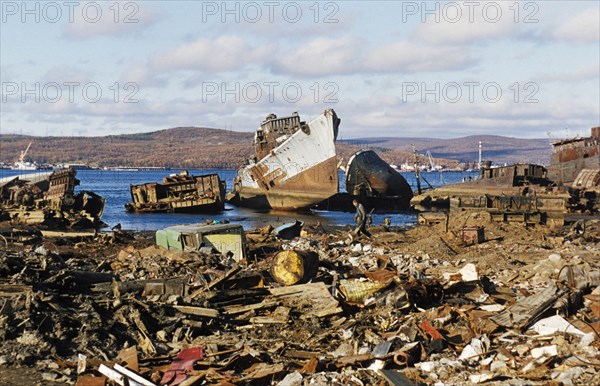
{"x": 374, "y": 183}
{"x": 48, "y": 199}
{"x": 526, "y": 192}
{"x": 294, "y": 166}
{"x": 179, "y": 193}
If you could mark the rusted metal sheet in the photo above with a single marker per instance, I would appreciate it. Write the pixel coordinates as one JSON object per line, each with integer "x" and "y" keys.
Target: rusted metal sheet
{"x": 180, "y": 193}
{"x": 526, "y": 312}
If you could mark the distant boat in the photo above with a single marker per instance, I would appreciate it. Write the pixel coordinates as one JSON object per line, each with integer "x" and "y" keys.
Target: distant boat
{"x": 22, "y": 164}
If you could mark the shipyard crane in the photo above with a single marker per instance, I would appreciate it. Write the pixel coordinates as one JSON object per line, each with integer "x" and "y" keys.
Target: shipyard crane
{"x": 431, "y": 162}
{"x": 24, "y": 153}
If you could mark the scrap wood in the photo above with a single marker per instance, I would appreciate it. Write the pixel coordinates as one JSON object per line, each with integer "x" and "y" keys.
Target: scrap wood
{"x": 261, "y": 370}
{"x": 89, "y": 380}
{"x": 197, "y": 311}
{"x": 130, "y": 357}
{"x": 300, "y": 354}
{"x": 232, "y": 271}
{"x": 316, "y": 293}
{"x": 193, "y": 380}
{"x": 232, "y": 310}
{"x": 7, "y": 290}
{"x": 268, "y": 320}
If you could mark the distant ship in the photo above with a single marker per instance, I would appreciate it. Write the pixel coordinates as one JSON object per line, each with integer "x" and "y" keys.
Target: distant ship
{"x": 22, "y": 164}
{"x": 294, "y": 167}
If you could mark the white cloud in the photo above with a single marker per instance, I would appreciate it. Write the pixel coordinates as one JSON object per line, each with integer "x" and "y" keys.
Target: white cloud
{"x": 225, "y": 53}
{"x": 584, "y": 27}
{"x": 581, "y": 74}
{"x": 414, "y": 57}
{"x": 322, "y": 56}
{"x": 144, "y": 76}
{"x": 95, "y": 19}
{"x": 462, "y": 24}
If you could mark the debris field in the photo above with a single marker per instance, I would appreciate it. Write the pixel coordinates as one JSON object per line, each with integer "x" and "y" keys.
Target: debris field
{"x": 469, "y": 301}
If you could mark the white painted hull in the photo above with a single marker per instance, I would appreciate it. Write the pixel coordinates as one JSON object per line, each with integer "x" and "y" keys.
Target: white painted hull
{"x": 298, "y": 173}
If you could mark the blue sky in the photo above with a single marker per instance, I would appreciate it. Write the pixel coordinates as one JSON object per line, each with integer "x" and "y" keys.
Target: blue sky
{"x": 391, "y": 68}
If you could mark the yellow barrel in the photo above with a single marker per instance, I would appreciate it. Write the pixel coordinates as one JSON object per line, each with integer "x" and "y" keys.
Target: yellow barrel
{"x": 292, "y": 267}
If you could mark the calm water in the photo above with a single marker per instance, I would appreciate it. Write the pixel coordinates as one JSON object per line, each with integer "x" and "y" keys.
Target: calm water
{"x": 114, "y": 187}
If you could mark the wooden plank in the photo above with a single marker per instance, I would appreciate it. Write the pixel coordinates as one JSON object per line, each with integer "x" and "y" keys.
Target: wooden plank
{"x": 14, "y": 289}
{"x": 526, "y": 312}
{"x": 232, "y": 310}
{"x": 316, "y": 293}
{"x": 301, "y": 354}
{"x": 88, "y": 380}
{"x": 198, "y": 311}
{"x": 133, "y": 376}
{"x": 267, "y": 320}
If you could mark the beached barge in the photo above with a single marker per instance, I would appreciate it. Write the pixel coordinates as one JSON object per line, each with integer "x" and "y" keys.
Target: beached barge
{"x": 179, "y": 193}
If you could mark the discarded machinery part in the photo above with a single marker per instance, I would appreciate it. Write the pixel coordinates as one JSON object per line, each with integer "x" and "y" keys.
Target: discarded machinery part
{"x": 292, "y": 267}
{"x": 356, "y": 291}
{"x": 401, "y": 358}
{"x": 473, "y": 235}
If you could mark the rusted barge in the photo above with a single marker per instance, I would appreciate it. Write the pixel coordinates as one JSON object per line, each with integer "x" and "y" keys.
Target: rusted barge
{"x": 527, "y": 192}
{"x": 179, "y": 193}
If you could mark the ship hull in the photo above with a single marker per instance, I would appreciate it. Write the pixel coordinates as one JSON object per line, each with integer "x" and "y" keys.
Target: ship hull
{"x": 304, "y": 191}
{"x": 297, "y": 174}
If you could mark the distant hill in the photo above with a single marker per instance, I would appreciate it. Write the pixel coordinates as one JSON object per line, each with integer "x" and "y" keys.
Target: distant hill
{"x": 201, "y": 147}
{"x": 180, "y": 147}
{"x": 497, "y": 148}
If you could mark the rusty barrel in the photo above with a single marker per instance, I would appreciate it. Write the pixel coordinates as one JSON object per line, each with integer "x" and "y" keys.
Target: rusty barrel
{"x": 293, "y": 267}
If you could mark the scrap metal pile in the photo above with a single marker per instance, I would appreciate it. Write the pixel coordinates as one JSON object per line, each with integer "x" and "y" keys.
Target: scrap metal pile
{"x": 431, "y": 305}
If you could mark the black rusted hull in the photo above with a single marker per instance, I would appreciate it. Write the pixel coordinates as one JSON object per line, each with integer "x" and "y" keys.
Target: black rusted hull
{"x": 367, "y": 175}
{"x": 342, "y": 202}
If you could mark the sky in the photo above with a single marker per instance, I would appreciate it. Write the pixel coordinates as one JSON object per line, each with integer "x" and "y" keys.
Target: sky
{"x": 440, "y": 69}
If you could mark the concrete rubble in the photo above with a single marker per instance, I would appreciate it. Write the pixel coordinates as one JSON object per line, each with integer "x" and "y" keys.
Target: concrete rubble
{"x": 408, "y": 307}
